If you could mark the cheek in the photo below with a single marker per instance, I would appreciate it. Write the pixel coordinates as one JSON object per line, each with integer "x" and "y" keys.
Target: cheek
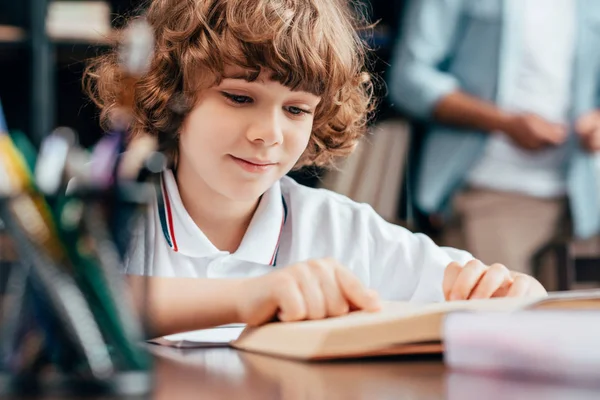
{"x": 298, "y": 140}
{"x": 202, "y": 131}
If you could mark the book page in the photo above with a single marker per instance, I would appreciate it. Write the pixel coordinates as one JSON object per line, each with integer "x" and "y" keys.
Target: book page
{"x": 392, "y": 311}
{"x": 570, "y": 299}
{"x": 215, "y": 337}
{"x": 495, "y": 304}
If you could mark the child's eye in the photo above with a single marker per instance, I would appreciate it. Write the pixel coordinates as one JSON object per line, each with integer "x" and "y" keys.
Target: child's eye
{"x": 297, "y": 111}
{"x": 238, "y": 99}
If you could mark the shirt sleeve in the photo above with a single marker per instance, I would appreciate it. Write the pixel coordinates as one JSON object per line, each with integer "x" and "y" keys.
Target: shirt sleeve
{"x": 403, "y": 265}
{"x": 416, "y": 83}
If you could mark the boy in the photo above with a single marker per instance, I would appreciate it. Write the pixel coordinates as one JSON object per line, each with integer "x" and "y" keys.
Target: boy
{"x": 238, "y": 93}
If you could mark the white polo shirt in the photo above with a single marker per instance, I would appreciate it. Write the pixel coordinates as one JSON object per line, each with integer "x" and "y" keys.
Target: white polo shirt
{"x": 294, "y": 223}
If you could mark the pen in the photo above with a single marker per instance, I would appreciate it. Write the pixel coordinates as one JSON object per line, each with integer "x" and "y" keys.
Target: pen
{"x": 3, "y": 126}
{"x": 65, "y": 299}
{"x": 118, "y": 303}
{"x": 52, "y": 159}
{"x": 30, "y": 208}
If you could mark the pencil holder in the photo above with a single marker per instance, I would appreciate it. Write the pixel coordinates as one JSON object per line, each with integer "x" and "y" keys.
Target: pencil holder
{"x": 68, "y": 324}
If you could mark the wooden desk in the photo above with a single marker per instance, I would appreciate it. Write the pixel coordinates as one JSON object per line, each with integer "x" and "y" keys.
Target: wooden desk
{"x": 228, "y": 374}
{"x": 225, "y": 374}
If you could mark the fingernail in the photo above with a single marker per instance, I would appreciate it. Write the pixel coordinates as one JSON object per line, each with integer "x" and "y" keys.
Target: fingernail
{"x": 374, "y": 301}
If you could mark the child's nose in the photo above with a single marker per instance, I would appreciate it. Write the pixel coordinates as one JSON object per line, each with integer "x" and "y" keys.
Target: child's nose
{"x": 266, "y": 128}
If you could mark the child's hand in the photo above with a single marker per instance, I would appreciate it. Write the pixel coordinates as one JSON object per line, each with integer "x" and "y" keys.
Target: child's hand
{"x": 478, "y": 281}
{"x": 313, "y": 289}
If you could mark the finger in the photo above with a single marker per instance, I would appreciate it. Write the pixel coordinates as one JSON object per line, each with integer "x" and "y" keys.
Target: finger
{"x": 450, "y": 274}
{"x": 542, "y": 132}
{"x": 335, "y": 303}
{"x": 311, "y": 291}
{"x": 520, "y": 286}
{"x": 583, "y": 133}
{"x": 593, "y": 141}
{"x": 533, "y": 142}
{"x": 586, "y": 124}
{"x": 502, "y": 291}
{"x": 354, "y": 291}
{"x": 558, "y": 133}
{"x": 547, "y": 133}
{"x": 290, "y": 301}
{"x": 496, "y": 277}
{"x": 467, "y": 280}
{"x": 587, "y": 143}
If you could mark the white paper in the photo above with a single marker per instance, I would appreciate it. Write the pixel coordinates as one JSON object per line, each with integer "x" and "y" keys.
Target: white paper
{"x": 219, "y": 336}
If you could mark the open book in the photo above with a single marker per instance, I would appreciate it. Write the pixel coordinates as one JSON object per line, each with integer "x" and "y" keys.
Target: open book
{"x": 399, "y": 328}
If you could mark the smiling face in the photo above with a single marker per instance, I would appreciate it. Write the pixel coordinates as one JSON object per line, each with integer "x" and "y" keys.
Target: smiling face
{"x": 241, "y": 137}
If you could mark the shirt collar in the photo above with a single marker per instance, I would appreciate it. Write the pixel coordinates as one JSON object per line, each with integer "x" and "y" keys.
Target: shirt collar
{"x": 259, "y": 245}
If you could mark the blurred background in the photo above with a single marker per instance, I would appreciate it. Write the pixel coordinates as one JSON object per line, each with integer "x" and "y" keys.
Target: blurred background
{"x": 485, "y": 135}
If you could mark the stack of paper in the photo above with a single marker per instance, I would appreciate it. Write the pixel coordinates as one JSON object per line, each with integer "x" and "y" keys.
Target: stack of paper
{"x": 557, "y": 344}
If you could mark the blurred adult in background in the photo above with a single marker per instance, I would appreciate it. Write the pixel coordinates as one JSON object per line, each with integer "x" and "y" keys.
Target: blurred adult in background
{"x": 509, "y": 94}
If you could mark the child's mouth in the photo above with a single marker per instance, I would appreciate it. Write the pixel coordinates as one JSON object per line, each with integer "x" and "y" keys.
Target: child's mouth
{"x": 254, "y": 165}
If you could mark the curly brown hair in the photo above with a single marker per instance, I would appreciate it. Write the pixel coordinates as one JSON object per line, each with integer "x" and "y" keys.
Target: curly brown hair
{"x": 310, "y": 45}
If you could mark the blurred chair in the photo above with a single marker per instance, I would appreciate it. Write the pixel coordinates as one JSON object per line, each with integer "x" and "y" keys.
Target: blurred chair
{"x": 375, "y": 172}
{"x": 574, "y": 264}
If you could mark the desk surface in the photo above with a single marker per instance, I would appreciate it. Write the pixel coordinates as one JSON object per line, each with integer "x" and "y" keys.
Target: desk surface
{"x": 228, "y": 374}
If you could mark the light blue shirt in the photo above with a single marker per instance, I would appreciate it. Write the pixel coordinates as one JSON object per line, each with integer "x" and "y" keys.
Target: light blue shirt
{"x": 473, "y": 45}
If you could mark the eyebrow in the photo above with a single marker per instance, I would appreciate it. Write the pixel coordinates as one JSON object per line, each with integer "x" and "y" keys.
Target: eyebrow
{"x": 253, "y": 76}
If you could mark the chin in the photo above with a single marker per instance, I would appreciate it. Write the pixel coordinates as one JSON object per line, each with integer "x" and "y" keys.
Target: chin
{"x": 248, "y": 191}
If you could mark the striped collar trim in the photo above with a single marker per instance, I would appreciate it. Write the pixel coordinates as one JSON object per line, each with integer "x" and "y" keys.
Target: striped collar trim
{"x": 165, "y": 214}
{"x": 182, "y": 235}
{"x": 283, "y": 221}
